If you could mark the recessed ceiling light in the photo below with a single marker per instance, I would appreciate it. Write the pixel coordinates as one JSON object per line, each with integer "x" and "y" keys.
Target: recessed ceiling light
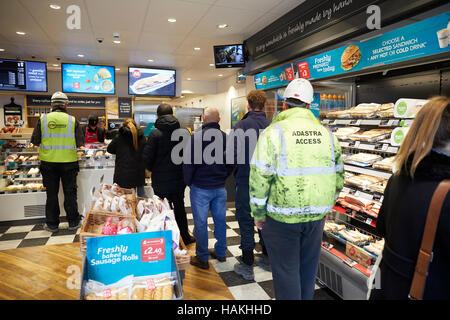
{"x": 55, "y": 6}
{"x": 196, "y": 48}
{"x": 117, "y": 69}
{"x": 1, "y": 50}
{"x": 116, "y": 41}
{"x": 55, "y": 65}
{"x": 172, "y": 20}
{"x": 222, "y": 26}
{"x": 20, "y": 33}
{"x": 150, "y": 60}
{"x": 81, "y": 55}
{"x": 188, "y": 79}
{"x": 211, "y": 64}
{"x": 220, "y": 75}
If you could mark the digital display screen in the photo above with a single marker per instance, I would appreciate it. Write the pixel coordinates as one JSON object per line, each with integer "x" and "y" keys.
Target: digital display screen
{"x": 229, "y": 56}
{"x": 152, "y": 82}
{"x": 18, "y": 75}
{"x": 82, "y": 78}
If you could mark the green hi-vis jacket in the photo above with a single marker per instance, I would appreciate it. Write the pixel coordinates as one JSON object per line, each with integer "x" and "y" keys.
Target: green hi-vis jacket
{"x": 58, "y": 142}
{"x": 296, "y": 171}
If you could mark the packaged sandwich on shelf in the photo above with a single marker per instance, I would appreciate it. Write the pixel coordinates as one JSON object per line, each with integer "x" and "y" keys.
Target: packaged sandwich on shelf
{"x": 333, "y": 227}
{"x": 339, "y": 114}
{"x": 365, "y": 110}
{"x": 343, "y": 133}
{"x": 363, "y": 180}
{"x": 372, "y": 135}
{"x": 378, "y": 187}
{"x": 386, "y": 111}
{"x": 363, "y": 159}
{"x": 375, "y": 247}
{"x": 385, "y": 164}
{"x": 355, "y": 236}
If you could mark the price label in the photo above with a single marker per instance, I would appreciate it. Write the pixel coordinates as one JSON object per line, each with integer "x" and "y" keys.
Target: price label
{"x": 107, "y": 294}
{"x": 151, "y": 284}
{"x": 152, "y": 249}
{"x": 385, "y": 147}
{"x": 369, "y": 221}
{"x": 357, "y": 143}
{"x": 355, "y": 122}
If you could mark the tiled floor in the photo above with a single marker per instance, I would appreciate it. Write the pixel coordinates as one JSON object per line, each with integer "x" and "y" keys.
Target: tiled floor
{"x": 31, "y": 233}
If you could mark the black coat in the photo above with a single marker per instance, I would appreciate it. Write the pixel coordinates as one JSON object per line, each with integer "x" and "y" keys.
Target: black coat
{"x": 129, "y": 171}
{"x": 402, "y": 220}
{"x": 167, "y": 177}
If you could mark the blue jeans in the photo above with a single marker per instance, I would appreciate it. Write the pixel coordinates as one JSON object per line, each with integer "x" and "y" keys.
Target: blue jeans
{"x": 246, "y": 224}
{"x": 202, "y": 201}
{"x": 294, "y": 252}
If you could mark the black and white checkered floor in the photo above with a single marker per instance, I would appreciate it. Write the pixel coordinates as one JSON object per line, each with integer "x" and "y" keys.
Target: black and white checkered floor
{"x": 28, "y": 233}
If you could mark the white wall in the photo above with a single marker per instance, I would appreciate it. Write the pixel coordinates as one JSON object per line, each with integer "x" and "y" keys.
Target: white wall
{"x": 227, "y": 89}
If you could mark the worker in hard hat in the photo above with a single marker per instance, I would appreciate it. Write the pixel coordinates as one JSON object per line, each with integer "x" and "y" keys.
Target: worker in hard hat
{"x": 296, "y": 174}
{"x": 58, "y": 135}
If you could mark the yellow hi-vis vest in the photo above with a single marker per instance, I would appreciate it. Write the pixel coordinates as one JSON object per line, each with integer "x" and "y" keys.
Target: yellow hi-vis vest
{"x": 58, "y": 142}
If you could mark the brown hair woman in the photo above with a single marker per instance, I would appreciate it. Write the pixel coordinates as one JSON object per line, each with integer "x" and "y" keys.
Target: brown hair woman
{"x": 422, "y": 163}
{"x": 127, "y": 145}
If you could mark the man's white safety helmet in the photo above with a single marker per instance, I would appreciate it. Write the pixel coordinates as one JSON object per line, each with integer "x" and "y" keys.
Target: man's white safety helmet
{"x": 300, "y": 89}
{"x": 59, "y": 98}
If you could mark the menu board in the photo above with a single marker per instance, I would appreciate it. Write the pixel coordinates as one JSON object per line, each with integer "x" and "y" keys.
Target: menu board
{"x": 154, "y": 82}
{"x": 81, "y": 78}
{"x": 274, "y": 78}
{"x": 420, "y": 39}
{"x": 18, "y": 75}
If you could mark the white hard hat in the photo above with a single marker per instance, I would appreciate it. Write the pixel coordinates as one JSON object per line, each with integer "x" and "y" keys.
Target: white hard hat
{"x": 300, "y": 89}
{"x": 59, "y": 98}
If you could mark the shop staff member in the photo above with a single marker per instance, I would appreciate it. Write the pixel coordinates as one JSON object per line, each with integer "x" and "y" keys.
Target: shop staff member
{"x": 296, "y": 173}
{"x": 58, "y": 135}
{"x": 93, "y": 133}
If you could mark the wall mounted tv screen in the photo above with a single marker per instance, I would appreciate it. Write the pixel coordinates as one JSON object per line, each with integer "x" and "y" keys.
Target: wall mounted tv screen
{"x": 19, "y": 75}
{"x": 83, "y": 78}
{"x": 229, "y": 56}
{"x": 151, "y": 82}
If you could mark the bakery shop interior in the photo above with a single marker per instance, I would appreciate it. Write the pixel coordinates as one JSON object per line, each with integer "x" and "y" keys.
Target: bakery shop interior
{"x": 98, "y": 96}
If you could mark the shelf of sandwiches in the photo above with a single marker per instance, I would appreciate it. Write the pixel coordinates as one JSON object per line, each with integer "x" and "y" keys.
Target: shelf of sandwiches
{"x": 95, "y": 156}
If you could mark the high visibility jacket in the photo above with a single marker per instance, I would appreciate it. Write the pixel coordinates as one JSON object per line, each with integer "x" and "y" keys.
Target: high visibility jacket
{"x": 296, "y": 171}
{"x": 58, "y": 142}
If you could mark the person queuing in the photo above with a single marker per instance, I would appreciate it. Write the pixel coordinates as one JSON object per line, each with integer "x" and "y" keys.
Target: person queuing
{"x": 58, "y": 135}
{"x": 167, "y": 177}
{"x": 423, "y": 161}
{"x": 206, "y": 179}
{"x": 296, "y": 174}
{"x": 128, "y": 146}
{"x": 254, "y": 120}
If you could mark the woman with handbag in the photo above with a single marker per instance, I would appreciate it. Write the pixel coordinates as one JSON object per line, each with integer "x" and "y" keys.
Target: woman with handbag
{"x": 415, "y": 216}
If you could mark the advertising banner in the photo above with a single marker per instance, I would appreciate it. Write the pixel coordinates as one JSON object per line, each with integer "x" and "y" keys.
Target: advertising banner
{"x": 420, "y": 39}
{"x": 154, "y": 82}
{"x": 125, "y": 108}
{"x": 80, "y": 78}
{"x": 274, "y": 78}
{"x": 112, "y": 258}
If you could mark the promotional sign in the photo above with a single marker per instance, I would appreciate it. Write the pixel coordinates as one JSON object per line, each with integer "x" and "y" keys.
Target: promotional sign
{"x": 12, "y": 114}
{"x": 81, "y": 78}
{"x": 315, "y": 105}
{"x": 155, "y": 82}
{"x": 112, "y": 258}
{"x": 125, "y": 108}
{"x": 75, "y": 102}
{"x": 274, "y": 78}
{"x": 238, "y": 109}
{"x": 23, "y": 75}
{"x": 419, "y": 39}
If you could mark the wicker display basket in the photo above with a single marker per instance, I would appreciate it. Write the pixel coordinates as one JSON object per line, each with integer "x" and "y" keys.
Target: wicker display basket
{"x": 93, "y": 224}
{"x": 183, "y": 261}
{"x": 130, "y": 195}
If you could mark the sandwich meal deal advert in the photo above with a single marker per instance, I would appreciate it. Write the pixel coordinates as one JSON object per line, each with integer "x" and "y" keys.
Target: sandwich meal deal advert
{"x": 154, "y": 82}
{"x": 80, "y": 78}
{"x": 420, "y": 39}
{"x": 274, "y": 78}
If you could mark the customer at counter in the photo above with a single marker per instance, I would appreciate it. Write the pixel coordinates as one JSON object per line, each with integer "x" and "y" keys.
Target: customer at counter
{"x": 167, "y": 177}
{"x": 128, "y": 145}
{"x": 58, "y": 135}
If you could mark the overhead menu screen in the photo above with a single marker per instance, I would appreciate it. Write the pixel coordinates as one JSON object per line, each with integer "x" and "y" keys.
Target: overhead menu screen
{"x": 17, "y": 75}
{"x": 83, "y": 78}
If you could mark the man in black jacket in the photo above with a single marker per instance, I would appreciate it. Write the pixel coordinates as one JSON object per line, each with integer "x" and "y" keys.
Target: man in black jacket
{"x": 167, "y": 177}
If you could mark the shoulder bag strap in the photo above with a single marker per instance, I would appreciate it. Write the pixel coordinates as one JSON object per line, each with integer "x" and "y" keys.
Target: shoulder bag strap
{"x": 426, "y": 248}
